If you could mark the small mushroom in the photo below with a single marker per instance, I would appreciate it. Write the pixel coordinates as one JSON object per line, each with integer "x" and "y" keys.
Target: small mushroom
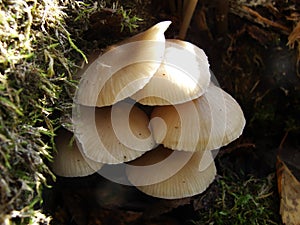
{"x": 183, "y": 76}
{"x": 206, "y": 123}
{"x": 181, "y": 179}
{"x": 105, "y": 134}
{"x": 68, "y": 160}
{"x": 123, "y": 69}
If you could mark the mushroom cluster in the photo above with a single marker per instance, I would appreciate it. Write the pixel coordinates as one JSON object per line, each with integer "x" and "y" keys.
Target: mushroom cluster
{"x": 149, "y": 102}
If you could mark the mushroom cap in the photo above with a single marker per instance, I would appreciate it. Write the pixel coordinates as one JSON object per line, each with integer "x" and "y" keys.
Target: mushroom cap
{"x": 186, "y": 179}
{"x": 68, "y": 160}
{"x": 206, "y": 123}
{"x": 124, "y": 69}
{"x": 153, "y": 33}
{"x": 183, "y": 76}
{"x": 113, "y": 134}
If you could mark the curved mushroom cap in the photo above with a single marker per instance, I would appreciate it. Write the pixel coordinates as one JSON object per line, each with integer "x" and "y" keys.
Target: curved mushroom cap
{"x": 208, "y": 122}
{"x": 183, "y": 76}
{"x": 124, "y": 69}
{"x": 186, "y": 179}
{"x": 153, "y": 33}
{"x": 114, "y": 134}
{"x": 68, "y": 160}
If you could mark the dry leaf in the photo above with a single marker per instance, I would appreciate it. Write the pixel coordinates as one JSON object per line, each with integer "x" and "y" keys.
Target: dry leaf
{"x": 289, "y": 191}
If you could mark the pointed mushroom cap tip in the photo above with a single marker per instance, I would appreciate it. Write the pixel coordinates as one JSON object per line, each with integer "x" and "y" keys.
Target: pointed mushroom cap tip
{"x": 164, "y": 25}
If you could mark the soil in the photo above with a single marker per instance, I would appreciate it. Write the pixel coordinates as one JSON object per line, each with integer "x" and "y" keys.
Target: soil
{"x": 253, "y": 63}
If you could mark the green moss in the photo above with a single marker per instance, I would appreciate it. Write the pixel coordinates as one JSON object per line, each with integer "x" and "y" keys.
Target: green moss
{"x": 128, "y": 21}
{"x": 238, "y": 201}
{"x": 39, "y": 45}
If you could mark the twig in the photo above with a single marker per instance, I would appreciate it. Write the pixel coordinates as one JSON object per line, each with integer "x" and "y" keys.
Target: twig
{"x": 189, "y": 8}
{"x": 250, "y": 14}
{"x": 283, "y": 139}
{"x": 264, "y": 21}
{"x": 243, "y": 145}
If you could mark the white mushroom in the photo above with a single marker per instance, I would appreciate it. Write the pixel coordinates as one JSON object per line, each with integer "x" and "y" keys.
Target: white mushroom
{"x": 183, "y": 76}
{"x": 208, "y": 122}
{"x": 124, "y": 69}
{"x": 107, "y": 142}
{"x": 181, "y": 179}
{"x": 68, "y": 160}
{"x": 190, "y": 117}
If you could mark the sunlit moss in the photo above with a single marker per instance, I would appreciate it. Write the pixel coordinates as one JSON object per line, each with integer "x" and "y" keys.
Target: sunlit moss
{"x": 40, "y": 53}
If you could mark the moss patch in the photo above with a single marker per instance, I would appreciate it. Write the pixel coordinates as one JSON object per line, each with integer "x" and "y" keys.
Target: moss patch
{"x": 39, "y": 54}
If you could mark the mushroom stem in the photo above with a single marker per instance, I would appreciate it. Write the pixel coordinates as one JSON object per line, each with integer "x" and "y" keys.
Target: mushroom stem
{"x": 189, "y": 8}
